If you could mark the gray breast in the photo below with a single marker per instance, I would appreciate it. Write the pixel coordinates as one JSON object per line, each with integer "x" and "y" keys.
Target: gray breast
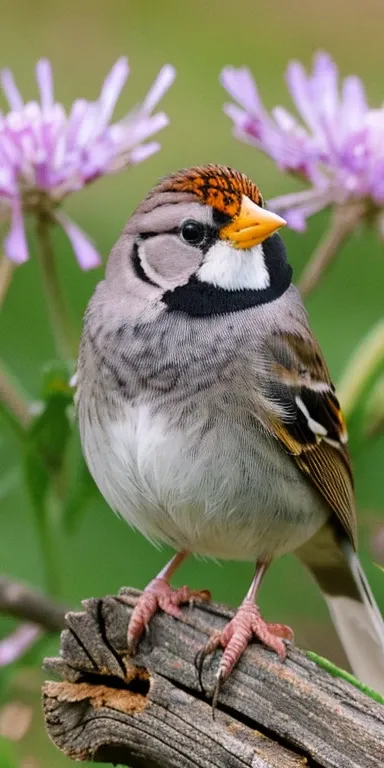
{"x": 173, "y": 435}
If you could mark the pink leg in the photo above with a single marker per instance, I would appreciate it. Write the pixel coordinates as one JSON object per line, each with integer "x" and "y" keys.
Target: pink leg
{"x": 246, "y": 624}
{"x": 159, "y": 594}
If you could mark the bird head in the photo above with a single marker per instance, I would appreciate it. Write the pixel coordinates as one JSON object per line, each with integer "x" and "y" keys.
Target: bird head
{"x": 201, "y": 236}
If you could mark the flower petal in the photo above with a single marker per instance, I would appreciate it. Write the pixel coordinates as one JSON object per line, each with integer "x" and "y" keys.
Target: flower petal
{"x": 354, "y": 105}
{"x": 324, "y": 83}
{"x": 19, "y": 642}
{"x": 338, "y": 146}
{"x": 163, "y": 81}
{"x": 112, "y": 87}
{"x": 143, "y": 151}
{"x": 140, "y": 130}
{"x": 11, "y": 90}
{"x": 298, "y": 86}
{"x": 43, "y": 150}
{"x": 45, "y": 83}
{"x": 241, "y": 86}
{"x": 296, "y": 207}
{"x": 85, "y": 252}
{"x": 296, "y": 220}
{"x": 15, "y": 244}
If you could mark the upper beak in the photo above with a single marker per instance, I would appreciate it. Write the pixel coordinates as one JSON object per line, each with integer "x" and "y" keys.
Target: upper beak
{"x": 252, "y": 225}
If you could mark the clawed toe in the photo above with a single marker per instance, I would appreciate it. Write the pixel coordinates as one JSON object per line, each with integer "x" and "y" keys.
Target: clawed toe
{"x": 159, "y": 594}
{"x": 281, "y": 630}
{"x": 235, "y": 637}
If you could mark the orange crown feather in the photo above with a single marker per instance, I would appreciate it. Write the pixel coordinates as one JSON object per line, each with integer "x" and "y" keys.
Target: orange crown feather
{"x": 216, "y": 185}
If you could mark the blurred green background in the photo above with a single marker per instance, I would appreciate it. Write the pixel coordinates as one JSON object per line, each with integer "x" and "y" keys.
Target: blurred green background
{"x": 83, "y": 39}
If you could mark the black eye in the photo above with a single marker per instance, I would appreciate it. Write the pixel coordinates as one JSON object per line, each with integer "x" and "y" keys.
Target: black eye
{"x": 193, "y": 232}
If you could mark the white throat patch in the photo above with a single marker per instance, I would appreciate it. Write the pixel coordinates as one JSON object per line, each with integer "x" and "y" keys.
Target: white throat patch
{"x": 234, "y": 269}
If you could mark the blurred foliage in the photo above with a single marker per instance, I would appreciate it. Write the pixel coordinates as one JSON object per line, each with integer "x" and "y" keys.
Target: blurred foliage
{"x": 47, "y": 437}
{"x": 95, "y": 552}
{"x": 7, "y": 754}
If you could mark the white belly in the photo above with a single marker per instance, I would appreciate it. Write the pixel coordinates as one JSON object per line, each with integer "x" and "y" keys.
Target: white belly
{"x": 227, "y": 493}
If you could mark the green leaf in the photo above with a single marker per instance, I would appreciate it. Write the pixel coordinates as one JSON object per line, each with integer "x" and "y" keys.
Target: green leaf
{"x": 359, "y": 389}
{"x": 365, "y": 365}
{"x": 52, "y": 446}
{"x": 47, "y": 438}
{"x": 56, "y": 378}
{"x": 7, "y": 754}
{"x": 45, "y": 453}
{"x": 8, "y": 481}
{"x": 37, "y": 478}
{"x": 366, "y": 418}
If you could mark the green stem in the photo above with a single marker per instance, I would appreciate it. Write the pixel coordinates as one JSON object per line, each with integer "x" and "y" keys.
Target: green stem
{"x": 337, "y": 672}
{"x": 13, "y": 405}
{"x": 344, "y": 222}
{"x": 363, "y": 363}
{"x": 57, "y": 308}
{"x": 47, "y": 521}
{"x": 49, "y": 547}
{"x": 6, "y": 274}
{"x": 15, "y": 410}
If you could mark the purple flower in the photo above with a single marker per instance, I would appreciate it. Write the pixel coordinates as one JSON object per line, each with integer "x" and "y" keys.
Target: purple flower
{"x": 18, "y": 643}
{"x": 45, "y": 154}
{"x": 337, "y": 146}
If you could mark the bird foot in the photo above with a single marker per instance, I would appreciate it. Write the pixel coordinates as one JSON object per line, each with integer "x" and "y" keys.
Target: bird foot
{"x": 234, "y": 638}
{"x": 159, "y": 594}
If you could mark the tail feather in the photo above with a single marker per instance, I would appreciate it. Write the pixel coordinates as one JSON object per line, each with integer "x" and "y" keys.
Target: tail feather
{"x": 365, "y": 592}
{"x": 351, "y": 604}
{"x": 359, "y": 625}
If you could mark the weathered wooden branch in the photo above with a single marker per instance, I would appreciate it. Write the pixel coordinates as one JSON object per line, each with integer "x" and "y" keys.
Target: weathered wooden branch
{"x": 150, "y": 711}
{"x": 28, "y": 604}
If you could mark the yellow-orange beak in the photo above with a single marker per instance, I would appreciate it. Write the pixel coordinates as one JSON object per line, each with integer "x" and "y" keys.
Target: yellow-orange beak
{"x": 252, "y": 225}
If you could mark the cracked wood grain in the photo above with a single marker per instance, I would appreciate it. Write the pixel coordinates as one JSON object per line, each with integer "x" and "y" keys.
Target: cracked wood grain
{"x": 150, "y": 712}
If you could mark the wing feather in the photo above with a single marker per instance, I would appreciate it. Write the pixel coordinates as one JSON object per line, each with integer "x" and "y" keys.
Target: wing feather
{"x": 311, "y": 426}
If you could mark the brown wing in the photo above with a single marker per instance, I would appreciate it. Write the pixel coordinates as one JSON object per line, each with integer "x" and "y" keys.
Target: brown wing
{"x": 310, "y": 425}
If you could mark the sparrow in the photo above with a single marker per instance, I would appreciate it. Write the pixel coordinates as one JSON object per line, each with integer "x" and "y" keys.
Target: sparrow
{"x": 207, "y": 414}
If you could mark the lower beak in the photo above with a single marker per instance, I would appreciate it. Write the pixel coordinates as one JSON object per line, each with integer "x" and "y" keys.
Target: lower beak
{"x": 252, "y": 225}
